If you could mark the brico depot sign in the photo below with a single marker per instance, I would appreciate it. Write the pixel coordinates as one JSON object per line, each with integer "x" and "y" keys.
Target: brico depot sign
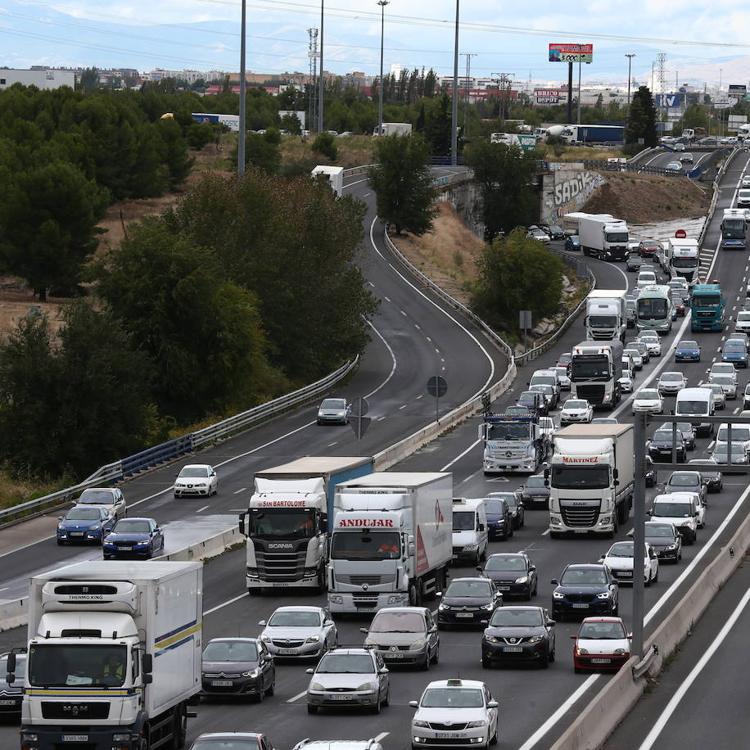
{"x": 546, "y": 96}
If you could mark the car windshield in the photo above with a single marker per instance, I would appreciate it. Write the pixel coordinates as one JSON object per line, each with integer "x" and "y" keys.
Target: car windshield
{"x": 346, "y": 664}
{"x": 536, "y": 481}
{"x": 562, "y": 371}
{"x": 496, "y": 505}
{"x": 507, "y": 617}
{"x": 83, "y": 514}
{"x": 647, "y": 394}
{"x": 506, "y": 562}
{"x": 683, "y": 480}
{"x": 68, "y": 665}
{"x": 575, "y": 403}
{"x": 584, "y": 576}
{"x": 231, "y": 651}
{"x": 735, "y": 346}
{"x": 294, "y": 618}
{"x": 333, "y": 403}
{"x": 665, "y": 436}
{"x": 691, "y": 407}
{"x": 452, "y": 697}
{"x": 723, "y": 379}
{"x": 672, "y": 510}
{"x": 668, "y": 377}
{"x": 469, "y": 588}
{"x": 621, "y": 549}
{"x": 738, "y": 433}
{"x": 598, "y": 631}
{"x": 398, "y": 622}
{"x": 508, "y": 431}
{"x": 687, "y": 345}
{"x": 659, "y": 530}
{"x": 132, "y": 526}
{"x": 225, "y": 744}
{"x": 194, "y": 472}
{"x": 634, "y": 353}
{"x": 544, "y": 380}
{"x": 366, "y": 545}
{"x": 463, "y": 520}
{"x": 96, "y": 497}
{"x": 529, "y": 398}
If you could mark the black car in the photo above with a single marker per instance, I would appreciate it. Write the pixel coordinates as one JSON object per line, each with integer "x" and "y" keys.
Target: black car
{"x": 585, "y": 589}
{"x": 515, "y": 507}
{"x": 660, "y": 446}
{"x": 713, "y": 479}
{"x": 499, "y": 520}
{"x": 535, "y": 491}
{"x": 573, "y": 243}
{"x": 512, "y": 573}
{"x": 133, "y": 537}
{"x": 11, "y": 696}
{"x": 240, "y": 667}
{"x": 665, "y": 541}
{"x": 555, "y": 232}
{"x": 651, "y": 474}
{"x": 519, "y": 635}
{"x": 687, "y": 430}
{"x": 534, "y": 402}
{"x": 468, "y": 601}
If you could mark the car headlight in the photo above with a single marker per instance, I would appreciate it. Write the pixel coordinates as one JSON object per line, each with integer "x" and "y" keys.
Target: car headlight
{"x": 522, "y": 579}
{"x": 367, "y": 687}
{"x": 557, "y": 595}
{"x": 476, "y": 724}
{"x": 535, "y": 639}
{"x": 603, "y": 595}
{"x": 620, "y": 651}
{"x": 488, "y": 606}
{"x": 443, "y": 607}
{"x": 316, "y": 686}
{"x": 493, "y": 639}
{"x": 420, "y": 723}
{"x": 313, "y": 639}
{"x": 421, "y": 643}
{"x": 265, "y": 638}
{"x": 581, "y": 650}
{"x": 672, "y": 546}
{"x": 95, "y": 527}
{"x": 141, "y": 543}
{"x": 253, "y": 674}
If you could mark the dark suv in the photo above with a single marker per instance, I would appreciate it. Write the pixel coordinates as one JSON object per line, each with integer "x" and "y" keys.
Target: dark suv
{"x": 583, "y": 590}
{"x": 499, "y": 520}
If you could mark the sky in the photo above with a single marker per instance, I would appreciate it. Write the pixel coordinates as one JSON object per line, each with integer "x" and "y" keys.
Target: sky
{"x": 703, "y": 41}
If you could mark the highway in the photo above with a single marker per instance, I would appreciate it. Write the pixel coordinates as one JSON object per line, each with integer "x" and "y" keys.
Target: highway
{"x": 663, "y": 156}
{"x": 534, "y": 707}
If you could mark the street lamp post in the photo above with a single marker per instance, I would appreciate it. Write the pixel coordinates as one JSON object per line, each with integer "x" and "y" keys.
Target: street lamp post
{"x": 382, "y": 4}
{"x": 241, "y": 140}
{"x": 454, "y": 108}
{"x": 630, "y": 56}
{"x": 321, "y": 82}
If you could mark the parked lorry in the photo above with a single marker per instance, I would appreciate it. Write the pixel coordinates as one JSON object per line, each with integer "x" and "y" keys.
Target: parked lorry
{"x": 707, "y": 305}
{"x": 734, "y": 229}
{"x": 595, "y": 371}
{"x": 391, "y": 542}
{"x": 286, "y": 523}
{"x": 511, "y": 443}
{"x": 334, "y": 176}
{"x": 603, "y": 236}
{"x": 114, "y": 655}
{"x": 683, "y": 257}
{"x": 394, "y": 128}
{"x": 591, "y": 479}
{"x": 606, "y": 315}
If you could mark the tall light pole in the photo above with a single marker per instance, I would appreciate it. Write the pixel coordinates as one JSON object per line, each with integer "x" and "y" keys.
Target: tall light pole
{"x": 322, "y": 80}
{"x": 454, "y": 108}
{"x": 382, "y": 4}
{"x": 243, "y": 129}
{"x": 630, "y": 56}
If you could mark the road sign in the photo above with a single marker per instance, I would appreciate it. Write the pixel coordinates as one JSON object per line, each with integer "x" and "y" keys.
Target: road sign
{"x": 524, "y": 319}
{"x": 437, "y": 386}
{"x": 680, "y": 234}
{"x": 357, "y": 419}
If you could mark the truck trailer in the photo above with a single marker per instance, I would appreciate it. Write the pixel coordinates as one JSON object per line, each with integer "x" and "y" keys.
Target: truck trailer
{"x": 394, "y": 128}
{"x": 114, "y": 655}
{"x": 683, "y": 258}
{"x": 333, "y": 175}
{"x": 603, "y": 236}
{"x": 391, "y": 542}
{"x": 591, "y": 479}
{"x": 286, "y": 523}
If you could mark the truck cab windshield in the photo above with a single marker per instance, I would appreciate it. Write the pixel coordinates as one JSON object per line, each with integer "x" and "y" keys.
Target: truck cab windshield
{"x": 68, "y": 665}
{"x": 706, "y": 300}
{"x": 508, "y": 431}
{"x": 580, "y": 477}
{"x": 617, "y": 236}
{"x": 684, "y": 262}
{"x": 363, "y": 545}
{"x": 603, "y": 321}
{"x": 733, "y": 228}
{"x": 589, "y": 368}
{"x": 282, "y": 523}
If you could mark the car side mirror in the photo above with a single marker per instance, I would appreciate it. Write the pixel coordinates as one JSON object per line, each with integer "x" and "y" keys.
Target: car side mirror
{"x": 551, "y": 623}
{"x": 147, "y": 663}
{"x": 630, "y": 635}
{"x": 481, "y": 527}
{"x": 573, "y": 637}
{"x": 383, "y": 670}
{"x": 493, "y": 704}
{"x": 532, "y": 567}
{"x": 262, "y": 623}
{"x": 309, "y": 670}
{"x": 364, "y": 630}
{"x": 554, "y": 582}
{"x": 414, "y": 704}
{"x": 242, "y": 524}
{"x": 11, "y": 662}
{"x": 438, "y": 594}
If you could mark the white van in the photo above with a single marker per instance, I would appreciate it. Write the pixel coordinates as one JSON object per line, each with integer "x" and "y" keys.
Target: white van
{"x": 683, "y": 509}
{"x": 696, "y": 402}
{"x": 646, "y": 278}
{"x": 470, "y": 536}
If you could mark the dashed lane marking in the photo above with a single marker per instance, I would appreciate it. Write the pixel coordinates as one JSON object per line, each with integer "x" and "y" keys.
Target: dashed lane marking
{"x": 200, "y": 510}
{"x": 241, "y": 489}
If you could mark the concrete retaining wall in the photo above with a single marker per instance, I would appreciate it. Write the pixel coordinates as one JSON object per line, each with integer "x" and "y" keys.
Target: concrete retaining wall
{"x": 565, "y": 188}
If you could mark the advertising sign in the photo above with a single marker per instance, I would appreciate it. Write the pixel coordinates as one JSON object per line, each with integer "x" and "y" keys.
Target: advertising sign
{"x": 735, "y": 121}
{"x": 571, "y": 53}
{"x": 547, "y": 96}
{"x": 669, "y": 100}
{"x": 737, "y": 91}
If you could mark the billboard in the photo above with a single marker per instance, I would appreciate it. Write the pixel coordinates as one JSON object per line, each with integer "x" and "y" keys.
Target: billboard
{"x": 547, "y": 96}
{"x": 669, "y": 100}
{"x": 737, "y": 91}
{"x": 571, "y": 53}
{"x": 735, "y": 121}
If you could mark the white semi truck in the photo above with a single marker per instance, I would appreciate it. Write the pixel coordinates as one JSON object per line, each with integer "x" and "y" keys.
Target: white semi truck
{"x": 391, "y": 542}
{"x": 605, "y": 315}
{"x": 114, "y": 655}
{"x": 512, "y": 443}
{"x": 603, "y": 236}
{"x": 590, "y": 479}
{"x": 286, "y": 523}
{"x": 683, "y": 258}
{"x": 595, "y": 369}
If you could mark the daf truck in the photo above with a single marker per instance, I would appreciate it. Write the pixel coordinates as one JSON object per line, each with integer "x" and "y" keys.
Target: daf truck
{"x": 606, "y": 315}
{"x": 114, "y": 655}
{"x": 391, "y": 542}
{"x": 595, "y": 371}
{"x": 603, "y": 236}
{"x": 511, "y": 442}
{"x": 734, "y": 229}
{"x": 591, "y": 479}
{"x": 683, "y": 258}
{"x": 286, "y": 523}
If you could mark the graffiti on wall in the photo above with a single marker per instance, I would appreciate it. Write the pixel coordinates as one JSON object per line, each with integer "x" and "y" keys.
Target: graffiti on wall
{"x": 568, "y": 192}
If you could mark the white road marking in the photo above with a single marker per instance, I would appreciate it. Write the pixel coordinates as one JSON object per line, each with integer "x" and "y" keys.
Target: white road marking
{"x": 545, "y": 532}
{"x": 335, "y": 442}
{"x": 428, "y": 338}
{"x": 403, "y": 406}
{"x": 393, "y": 360}
{"x": 403, "y": 313}
{"x": 380, "y": 419}
{"x": 463, "y": 481}
{"x": 371, "y": 284}
{"x": 421, "y": 395}
{"x": 241, "y": 489}
{"x": 200, "y": 510}
{"x": 224, "y": 604}
{"x": 460, "y": 456}
{"x": 416, "y": 325}
{"x": 297, "y": 697}
{"x": 387, "y": 299}
{"x": 380, "y": 737}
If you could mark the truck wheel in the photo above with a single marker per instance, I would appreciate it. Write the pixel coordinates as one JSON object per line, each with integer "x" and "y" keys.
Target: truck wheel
{"x": 321, "y": 583}
{"x": 554, "y": 535}
{"x": 413, "y": 600}
{"x": 180, "y": 728}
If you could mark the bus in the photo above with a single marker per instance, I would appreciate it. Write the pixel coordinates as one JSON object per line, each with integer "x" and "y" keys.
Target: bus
{"x": 707, "y": 305}
{"x": 654, "y": 309}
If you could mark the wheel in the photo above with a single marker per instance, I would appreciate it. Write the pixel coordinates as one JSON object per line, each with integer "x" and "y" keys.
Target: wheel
{"x": 648, "y": 581}
{"x": 376, "y": 707}
{"x": 544, "y": 663}
{"x": 321, "y": 582}
{"x": 312, "y": 709}
{"x": 272, "y": 687}
{"x": 425, "y": 666}
{"x": 510, "y": 534}
{"x": 387, "y": 699}
{"x": 536, "y": 587}
{"x": 261, "y": 695}
{"x": 413, "y": 600}
{"x": 527, "y": 595}
{"x": 436, "y": 655}
{"x": 551, "y": 656}
{"x": 486, "y": 663}
{"x": 577, "y": 670}
{"x": 493, "y": 739}
{"x": 656, "y": 576}
{"x": 616, "y": 609}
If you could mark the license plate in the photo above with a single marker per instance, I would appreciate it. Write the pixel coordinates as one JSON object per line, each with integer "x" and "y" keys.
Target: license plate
{"x": 503, "y": 588}
{"x": 285, "y": 651}
{"x": 512, "y": 649}
{"x": 75, "y": 738}
{"x": 601, "y": 661}
{"x": 221, "y": 683}
{"x": 341, "y": 697}
{"x": 7, "y": 703}
{"x": 464, "y": 614}
{"x": 580, "y": 606}
{"x": 393, "y": 655}
{"x": 76, "y": 533}
{"x": 446, "y": 735}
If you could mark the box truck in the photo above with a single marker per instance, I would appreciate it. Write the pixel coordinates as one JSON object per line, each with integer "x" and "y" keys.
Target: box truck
{"x": 391, "y": 541}
{"x": 114, "y": 655}
{"x": 595, "y": 369}
{"x": 286, "y": 523}
{"x": 590, "y": 479}
{"x": 606, "y": 315}
{"x": 603, "y": 236}
{"x": 734, "y": 229}
{"x": 683, "y": 258}
{"x": 334, "y": 176}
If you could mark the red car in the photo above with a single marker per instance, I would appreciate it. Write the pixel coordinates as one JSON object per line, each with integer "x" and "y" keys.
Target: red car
{"x": 602, "y": 643}
{"x": 648, "y": 248}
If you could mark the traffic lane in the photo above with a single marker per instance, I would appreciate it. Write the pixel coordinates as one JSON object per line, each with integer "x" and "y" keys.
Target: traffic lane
{"x": 719, "y": 693}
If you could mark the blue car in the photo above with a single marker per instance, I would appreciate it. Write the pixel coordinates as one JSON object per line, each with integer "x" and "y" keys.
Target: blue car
{"x": 84, "y": 525}
{"x": 133, "y": 537}
{"x": 734, "y": 352}
{"x": 573, "y": 242}
{"x": 687, "y": 351}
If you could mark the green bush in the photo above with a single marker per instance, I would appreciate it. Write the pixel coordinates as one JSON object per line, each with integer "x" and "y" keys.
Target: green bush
{"x": 325, "y": 144}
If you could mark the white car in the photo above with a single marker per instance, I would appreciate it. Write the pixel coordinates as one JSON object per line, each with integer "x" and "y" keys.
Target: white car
{"x": 683, "y": 509}
{"x": 535, "y": 233}
{"x": 563, "y": 377}
{"x": 299, "y": 632}
{"x": 649, "y": 401}
{"x": 652, "y": 342}
{"x": 109, "y": 498}
{"x": 619, "y": 559}
{"x": 742, "y": 323}
{"x": 601, "y": 643}
{"x": 671, "y": 383}
{"x": 455, "y": 712}
{"x": 334, "y": 411}
{"x": 636, "y": 358}
{"x": 196, "y": 479}
{"x": 720, "y": 398}
{"x": 722, "y": 368}
{"x": 646, "y": 278}
{"x": 678, "y": 147}
{"x": 626, "y": 382}
{"x": 745, "y": 182}
{"x": 576, "y": 410}
{"x": 727, "y": 382}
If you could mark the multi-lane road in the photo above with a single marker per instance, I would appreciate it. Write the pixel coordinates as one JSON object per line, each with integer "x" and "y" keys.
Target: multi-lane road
{"x": 535, "y": 707}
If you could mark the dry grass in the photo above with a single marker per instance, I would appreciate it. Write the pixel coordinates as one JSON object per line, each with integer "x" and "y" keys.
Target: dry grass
{"x": 582, "y": 153}
{"x": 353, "y": 151}
{"x": 447, "y": 254}
{"x": 16, "y": 302}
{"x": 15, "y": 491}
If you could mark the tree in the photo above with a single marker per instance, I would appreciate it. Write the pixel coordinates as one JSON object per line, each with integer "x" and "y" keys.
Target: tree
{"x": 261, "y": 152}
{"x": 641, "y": 125}
{"x": 178, "y": 162}
{"x": 437, "y": 129}
{"x": 325, "y": 144}
{"x": 516, "y": 273}
{"x": 402, "y": 182}
{"x": 48, "y": 218}
{"x": 504, "y": 175}
{"x": 292, "y": 124}
{"x": 89, "y": 80}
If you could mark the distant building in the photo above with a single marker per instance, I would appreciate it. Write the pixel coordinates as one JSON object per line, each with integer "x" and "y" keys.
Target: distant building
{"x": 42, "y": 78}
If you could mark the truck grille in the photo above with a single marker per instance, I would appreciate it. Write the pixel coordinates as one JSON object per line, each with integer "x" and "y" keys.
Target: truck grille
{"x": 286, "y": 565}
{"x": 593, "y": 393}
{"x": 602, "y": 335}
{"x": 365, "y": 601}
{"x": 362, "y": 580}
{"x": 80, "y": 711}
{"x": 579, "y": 516}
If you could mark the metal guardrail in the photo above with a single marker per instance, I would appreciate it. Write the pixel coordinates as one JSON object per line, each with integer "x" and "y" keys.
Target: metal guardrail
{"x": 354, "y": 171}
{"x": 159, "y": 454}
{"x": 605, "y": 166}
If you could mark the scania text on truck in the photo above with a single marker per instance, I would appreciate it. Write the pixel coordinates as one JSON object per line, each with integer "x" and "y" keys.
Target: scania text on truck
{"x": 707, "y": 306}
{"x": 653, "y": 310}
{"x": 511, "y": 443}
{"x": 391, "y": 541}
{"x": 734, "y": 229}
{"x": 684, "y": 259}
{"x": 286, "y": 523}
{"x": 603, "y": 236}
{"x": 114, "y": 655}
{"x": 605, "y": 314}
{"x": 595, "y": 370}
{"x": 591, "y": 479}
